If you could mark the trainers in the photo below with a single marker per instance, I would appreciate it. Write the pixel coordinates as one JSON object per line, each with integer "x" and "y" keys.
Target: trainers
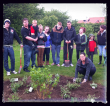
{"x": 8, "y": 73}
{"x": 63, "y": 64}
{"x": 14, "y": 72}
{"x": 58, "y": 65}
{"x": 52, "y": 64}
{"x": 71, "y": 65}
{"x": 26, "y": 70}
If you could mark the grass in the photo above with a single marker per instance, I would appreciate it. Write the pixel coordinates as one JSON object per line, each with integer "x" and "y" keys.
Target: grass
{"x": 99, "y": 77}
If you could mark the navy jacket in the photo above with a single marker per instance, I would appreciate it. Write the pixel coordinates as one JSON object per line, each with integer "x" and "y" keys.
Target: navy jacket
{"x": 89, "y": 64}
{"x": 69, "y": 35}
{"x": 56, "y": 35}
{"x": 9, "y": 35}
{"x": 101, "y": 39}
{"x": 81, "y": 42}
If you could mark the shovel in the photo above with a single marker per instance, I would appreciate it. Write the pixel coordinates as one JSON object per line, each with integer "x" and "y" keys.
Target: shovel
{"x": 67, "y": 61}
{"x": 20, "y": 60}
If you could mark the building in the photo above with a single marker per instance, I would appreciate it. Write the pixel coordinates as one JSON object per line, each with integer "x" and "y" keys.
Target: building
{"x": 93, "y": 20}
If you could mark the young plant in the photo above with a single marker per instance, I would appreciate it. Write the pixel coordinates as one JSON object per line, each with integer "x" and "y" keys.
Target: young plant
{"x": 14, "y": 97}
{"x": 73, "y": 99}
{"x": 64, "y": 92}
{"x": 78, "y": 80}
{"x": 24, "y": 79}
{"x": 93, "y": 85}
{"x": 26, "y": 91}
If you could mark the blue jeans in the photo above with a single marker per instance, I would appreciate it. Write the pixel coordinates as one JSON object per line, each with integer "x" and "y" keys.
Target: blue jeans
{"x": 28, "y": 53}
{"x": 102, "y": 48}
{"x": 8, "y": 51}
{"x": 56, "y": 48}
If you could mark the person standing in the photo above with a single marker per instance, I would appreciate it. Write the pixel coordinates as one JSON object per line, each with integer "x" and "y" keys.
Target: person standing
{"x": 28, "y": 46}
{"x": 9, "y": 34}
{"x": 68, "y": 36}
{"x": 101, "y": 40}
{"x": 91, "y": 47}
{"x": 56, "y": 36}
{"x": 80, "y": 40}
{"x": 47, "y": 45}
{"x": 86, "y": 67}
{"x": 42, "y": 38}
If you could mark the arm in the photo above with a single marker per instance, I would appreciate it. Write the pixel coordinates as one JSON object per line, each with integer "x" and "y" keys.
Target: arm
{"x": 44, "y": 38}
{"x": 73, "y": 36}
{"x": 76, "y": 71}
{"x": 36, "y": 30}
{"x": 76, "y": 40}
{"x": 64, "y": 36}
{"x": 85, "y": 41}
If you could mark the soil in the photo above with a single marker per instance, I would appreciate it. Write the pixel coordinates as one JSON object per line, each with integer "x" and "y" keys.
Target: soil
{"x": 80, "y": 93}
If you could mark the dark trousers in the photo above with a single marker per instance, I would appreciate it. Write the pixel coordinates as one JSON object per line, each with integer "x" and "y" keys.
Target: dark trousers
{"x": 83, "y": 71}
{"x": 70, "y": 50}
{"x": 90, "y": 56}
{"x": 77, "y": 52}
{"x": 46, "y": 53}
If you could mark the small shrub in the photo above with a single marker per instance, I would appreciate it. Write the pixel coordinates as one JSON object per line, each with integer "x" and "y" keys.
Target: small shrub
{"x": 78, "y": 80}
{"x": 73, "y": 99}
{"x": 24, "y": 79}
{"x": 93, "y": 85}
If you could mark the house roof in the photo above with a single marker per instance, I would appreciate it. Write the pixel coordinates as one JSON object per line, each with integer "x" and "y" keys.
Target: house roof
{"x": 93, "y": 20}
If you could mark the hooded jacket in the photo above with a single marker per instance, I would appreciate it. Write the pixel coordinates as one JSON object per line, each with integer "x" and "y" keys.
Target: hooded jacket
{"x": 56, "y": 35}
{"x": 89, "y": 64}
{"x": 69, "y": 34}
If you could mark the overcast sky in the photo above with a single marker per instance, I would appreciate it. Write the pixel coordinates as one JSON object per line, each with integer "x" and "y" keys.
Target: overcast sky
{"x": 76, "y": 10}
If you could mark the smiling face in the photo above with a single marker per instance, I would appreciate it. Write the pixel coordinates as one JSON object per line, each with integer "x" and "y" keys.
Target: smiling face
{"x": 25, "y": 23}
{"x": 40, "y": 29}
{"x": 58, "y": 26}
{"x": 7, "y": 24}
{"x": 46, "y": 29}
{"x": 92, "y": 37}
{"x": 82, "y": 57}
{"x": 80, "y": 31}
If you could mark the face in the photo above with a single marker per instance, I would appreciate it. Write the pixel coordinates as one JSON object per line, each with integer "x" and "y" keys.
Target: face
{"x": 101, "y": 29}
{"x": 25, "y": 23}
{"x": 81, "y": 31}
{"x": 91, "y": 37}
{"x": 82, "y": 57}
{"x": 7, "y": 25}
{"x": 69, "y": 25}
{"x": 58, "y": 26}
{"x": 46, "y": 29}
{"x": 34, "y": 23}
{"x": 40, "y": 29}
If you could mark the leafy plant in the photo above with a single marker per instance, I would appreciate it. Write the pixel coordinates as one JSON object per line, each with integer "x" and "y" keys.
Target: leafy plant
{"x": 93, "y": 85}
{"x": 64, "y": 91}
{"x": 73, "y": 99}
{"x": 42, "y": 79}
{"x": 14, "y": 97}
{"x": 78, "y": 80}
{"x": 26, "y": 91}
{"x": 24, "y": 79}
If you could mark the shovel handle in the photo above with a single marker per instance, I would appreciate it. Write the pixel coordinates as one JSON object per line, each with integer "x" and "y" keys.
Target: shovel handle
{"x": 67, "y": 50}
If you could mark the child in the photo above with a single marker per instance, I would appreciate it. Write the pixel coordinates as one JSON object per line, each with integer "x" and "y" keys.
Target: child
{"x": 47, "y": 45}
{"x": 91, "y": 47}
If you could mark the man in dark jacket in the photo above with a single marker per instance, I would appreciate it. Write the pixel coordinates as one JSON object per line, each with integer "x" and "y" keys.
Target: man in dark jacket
{"x": 68, "y": 36}
{"x": 84, "y": 66}
{"x": 56, "y": 36}
{"x": 9, "y": 34}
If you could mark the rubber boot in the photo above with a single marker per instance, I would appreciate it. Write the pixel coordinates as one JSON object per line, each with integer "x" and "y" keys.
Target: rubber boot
{"x": 47, "y": 62}
{"x": 100, "y": 60}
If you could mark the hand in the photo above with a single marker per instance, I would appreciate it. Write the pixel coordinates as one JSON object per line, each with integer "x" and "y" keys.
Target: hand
{"x": 41, "y": 36}
{"x": 69, "y": 41}
{"x": 35, "y": 39}
{"x": 21, "y": 45}
{"x": 105, "y": 47}
{"x": 74, "y": 80}
{"x": 66, "y": 41}
{"x": 84, "y": 81}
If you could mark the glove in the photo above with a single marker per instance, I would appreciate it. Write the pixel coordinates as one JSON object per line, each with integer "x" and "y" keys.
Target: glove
{"x": 74, "y": 79}
{"x": 33, "y": 46}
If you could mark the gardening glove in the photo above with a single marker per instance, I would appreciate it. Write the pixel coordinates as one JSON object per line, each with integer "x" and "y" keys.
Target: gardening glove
{"x": 74, "y": 79}
{"x": 84, "y": 80}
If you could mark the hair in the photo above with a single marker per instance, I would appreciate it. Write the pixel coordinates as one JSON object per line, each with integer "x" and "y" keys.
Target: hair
{"x": 34, "y": 21}
{"x": 83, "y": 53}
{"x": 84, "y": 29}
{"x": 48, "y": 30}
{"x": 103, "y": 27}
{"x": 68, "y": 21}
{"x": 40, "y": 26}
{"x": 25, "y": 19}
{"x": 59, "y": 23}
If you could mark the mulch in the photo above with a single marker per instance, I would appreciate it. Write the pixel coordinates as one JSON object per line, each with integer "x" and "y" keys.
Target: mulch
{"x": 80, "y": 93}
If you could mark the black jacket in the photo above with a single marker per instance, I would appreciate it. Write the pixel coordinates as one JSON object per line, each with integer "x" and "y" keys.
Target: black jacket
{"x": 41, "y": 41}
{"x": 69, "y": 34}
{"x": 81, "y": 42}
{"x": 9, "y": 35}
{"x": 101, "y": 39}
{"x": 89, "y": 64}
{"x": 56, "y": 35}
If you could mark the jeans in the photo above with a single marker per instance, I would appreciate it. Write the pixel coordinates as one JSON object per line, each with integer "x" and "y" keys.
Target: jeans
{"x": 28, "y": 53}
{"x": 78, "y": 53}
{"x": 56, "y": 48}
{"x": 90, "y": 55}
{"x": 8, "y": 51}
{"x": 102, "y": 48}
{"x": 46, "y": 53}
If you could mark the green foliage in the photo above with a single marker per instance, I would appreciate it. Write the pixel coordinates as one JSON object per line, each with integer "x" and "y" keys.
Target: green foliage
{"x": 14, "y": 97}
{"x": 93, "y": 85}
{"x": 24, "y": 79}
{"x": 64, "y": 91}
{"x": 78, "y": 80}
{"x": 73, "y": 99}
{"x": 26, "y": 91}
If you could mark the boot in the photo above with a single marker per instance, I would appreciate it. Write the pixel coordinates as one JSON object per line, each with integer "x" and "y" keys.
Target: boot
{"x": 43, "y": 63}
{"x": 47, "y": 62}
{"x": 100, "y": 60}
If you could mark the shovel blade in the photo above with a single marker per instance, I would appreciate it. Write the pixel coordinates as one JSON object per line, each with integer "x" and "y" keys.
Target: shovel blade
{"x": 19, "y": 70}
{"x": 67, "y": 63}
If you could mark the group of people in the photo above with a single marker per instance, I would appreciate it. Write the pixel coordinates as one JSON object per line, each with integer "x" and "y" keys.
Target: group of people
{"x": 37, "y": 41}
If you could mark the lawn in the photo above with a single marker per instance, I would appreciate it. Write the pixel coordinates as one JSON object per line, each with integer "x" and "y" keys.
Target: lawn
{"x": 99, "y": 77}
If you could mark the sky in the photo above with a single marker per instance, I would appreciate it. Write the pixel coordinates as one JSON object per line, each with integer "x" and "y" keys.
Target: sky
{"x": 76, "y": 11}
